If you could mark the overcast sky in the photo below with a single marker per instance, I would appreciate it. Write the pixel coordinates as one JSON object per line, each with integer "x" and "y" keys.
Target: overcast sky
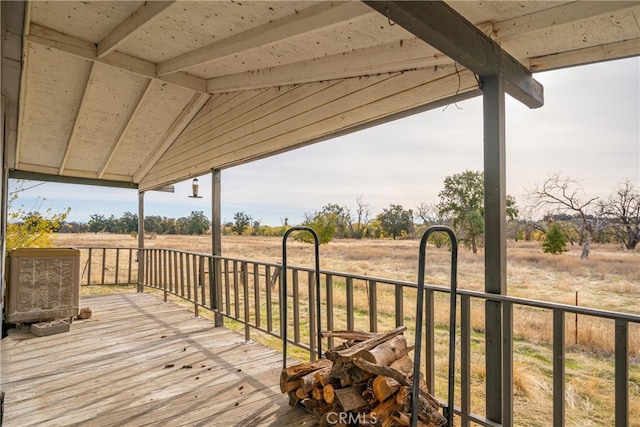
{"x": 588, "y": 129}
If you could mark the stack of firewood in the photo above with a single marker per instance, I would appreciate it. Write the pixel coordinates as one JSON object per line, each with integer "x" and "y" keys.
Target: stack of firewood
{"x": 367, "y": 380}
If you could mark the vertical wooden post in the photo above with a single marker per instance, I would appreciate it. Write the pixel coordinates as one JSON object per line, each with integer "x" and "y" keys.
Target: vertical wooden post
{"x": 215, "y": 282}
{"x": 495, "y": 241}
{"x": 140, "y": 241}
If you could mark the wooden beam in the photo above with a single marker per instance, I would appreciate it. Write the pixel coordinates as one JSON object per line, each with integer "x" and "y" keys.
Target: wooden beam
{"x": 47, "y": 177}
{"x": 86, "y": 50}
{"x": 76, "y": 122}
{"x": 446, "y": 30}
{"x": 314, "y": 18}
{"x": 179, "y": 124}
{"x": 128, "y": 121}
{"x": 393, "y": 57}
{"x": 144, "y": 14}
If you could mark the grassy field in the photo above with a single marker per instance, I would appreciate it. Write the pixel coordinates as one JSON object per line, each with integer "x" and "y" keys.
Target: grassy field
{"x": 609, "y": 279}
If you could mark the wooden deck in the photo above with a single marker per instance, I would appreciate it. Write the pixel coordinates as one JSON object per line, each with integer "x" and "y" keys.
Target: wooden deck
{"x": 139, "y": 361}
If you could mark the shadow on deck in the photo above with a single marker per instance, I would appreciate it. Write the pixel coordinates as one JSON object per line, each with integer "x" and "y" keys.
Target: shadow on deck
{"x": 140, "y": 361}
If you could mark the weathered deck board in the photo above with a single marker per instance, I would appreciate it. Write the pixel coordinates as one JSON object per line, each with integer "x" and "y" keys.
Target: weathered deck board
{"x": 115, "y": 370}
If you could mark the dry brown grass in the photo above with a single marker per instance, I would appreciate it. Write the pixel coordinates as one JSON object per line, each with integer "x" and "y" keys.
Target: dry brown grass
{"x": 609, "y": 279}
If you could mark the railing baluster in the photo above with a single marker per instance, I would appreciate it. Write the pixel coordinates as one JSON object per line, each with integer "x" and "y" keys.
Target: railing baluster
{"x": 350, "y": 318}
{"x": 203, "y": 288}
{"x": 507, "y": 360}
{"x": 430, "y": 340}
{"x": 312, "y": 316}
{"x": 117, "y": 264}
{"x": 181, "y": 274}
{"x": 399, "y": 301}
{"x": 256, "y": 293}
{"x": 329, "y": 291}
{"x": 247, "y": 305}
{"x": 194, "y": 266}
{"x": 104, "y": 264}
{"x": 236, "y": 289}
{"x": 227, "y": 295}
{"x": 622, "y": 372}
{"x": 373, "y": 306}
{"x": 188, "y": 271}
{"x": 267, "y": 283}
{"x": 558, "y": 368}
{"x": 130, "y": 265}
{"x": 296, "y": 307}
{"x": 465, "y": 359}
{"x": 89, "y": 266}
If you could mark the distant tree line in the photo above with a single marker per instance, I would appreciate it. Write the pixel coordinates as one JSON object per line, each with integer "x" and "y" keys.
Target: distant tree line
{"x": 557, "y": 214}
{"x": 196, "y": 223}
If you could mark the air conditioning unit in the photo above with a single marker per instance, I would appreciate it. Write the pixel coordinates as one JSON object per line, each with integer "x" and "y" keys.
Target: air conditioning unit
{"x": 42, "y": 284}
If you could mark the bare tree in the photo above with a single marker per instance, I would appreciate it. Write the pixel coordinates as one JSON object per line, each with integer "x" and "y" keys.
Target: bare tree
{"x": 362, "y": 218}
{"x": 624, "y": 206}
{"x": 565, "y": 195}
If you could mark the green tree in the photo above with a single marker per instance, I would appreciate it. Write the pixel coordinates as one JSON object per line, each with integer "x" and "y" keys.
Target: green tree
{"x": 198, "y": 223}
{"x": 129, "y": 222}
{"x": 241, "y": 222}
{"x": 556, "y": 240}
{"x": 30, "y": 229}
{"x": 341, "y": 217}
{"x": 395, "y": 221}
{"x": 462, "y": 200}
{"x": 323, "y": 223}
{"x": 97, "y": 223}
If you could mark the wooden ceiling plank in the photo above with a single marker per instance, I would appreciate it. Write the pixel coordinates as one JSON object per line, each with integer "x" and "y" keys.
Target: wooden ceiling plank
{"x": 555, "y": 16}
{"x": 446, "y": 30}
{"x": 179, "y": 124}
{"x": 128, "y": 122}
{"x": 618, "y": 50}
{"x": 254, "y": 148}
{"x": 277, "y": 121}
{"x": 144, "y": 14}
{"x": 87, "y": 50}
{"x": 388, "y": 58}
{"x": 317, "y": 17}
{"x": 76, "y": 121}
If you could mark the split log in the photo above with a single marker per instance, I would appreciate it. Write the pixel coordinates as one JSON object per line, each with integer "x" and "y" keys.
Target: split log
{"x": 370, "y": 343}
{"x": 301, "y": 394}
{"x": 350, "y": 398}
{"x": 388, "y": 371}
{"x": 404, "y": 419}
{"x": 387, "y": 352}
{"x": 316, "y": 393}
{"x": 382, "y": 412}
{"x": 369, "y": 396}
{"x": 350, "y": 335}
{"x": 426, "y": 412}
{"x": 323, "y": 376}
{"x": 293, "y": 399}
{"x": 309, "y": 381}
{"x": 328, "y": 393}
{"x": 290, "y": 386}
{"x": 298, "y": 371}
{"x": 384, "y": 387}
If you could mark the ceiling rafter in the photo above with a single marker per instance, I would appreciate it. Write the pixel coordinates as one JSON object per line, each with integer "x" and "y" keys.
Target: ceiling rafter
{"x": 76, "y": 122}
{"x": 445, "y": 29}
{"x": 555, "y": 16}
{"x": 388, "y": 58}
{"x": 128, "y": 121}
{"x": 320, "y": 16}
{"x": 86, "y": 50}
{"x": 144, "y": 14}
{"x": 179, "y": 124}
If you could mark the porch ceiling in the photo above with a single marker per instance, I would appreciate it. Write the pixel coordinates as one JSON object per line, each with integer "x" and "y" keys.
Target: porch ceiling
{"x": 151, "y": 93}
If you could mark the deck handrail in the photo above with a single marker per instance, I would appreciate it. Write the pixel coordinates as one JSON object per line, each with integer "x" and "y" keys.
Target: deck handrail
{"x": 245, "y": 293}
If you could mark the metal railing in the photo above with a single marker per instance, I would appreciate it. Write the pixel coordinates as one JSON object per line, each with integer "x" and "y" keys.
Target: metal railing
{"x": 248, "y": 292}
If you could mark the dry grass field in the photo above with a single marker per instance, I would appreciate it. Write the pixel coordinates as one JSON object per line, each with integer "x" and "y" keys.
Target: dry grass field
{"x": 609, "y": 279}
